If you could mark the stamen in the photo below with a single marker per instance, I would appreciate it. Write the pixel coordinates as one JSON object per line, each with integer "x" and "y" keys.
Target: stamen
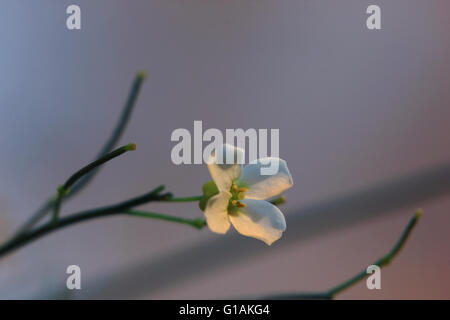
{"x": 243, "y": 189}
{"x": 241, "y": 196}
{"x": 241, "y": 204}
{"x": 234, "y": 203}
{"x": 234, "y": 187}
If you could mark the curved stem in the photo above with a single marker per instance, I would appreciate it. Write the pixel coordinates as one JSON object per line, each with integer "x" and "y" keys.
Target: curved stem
{"x": 196, "y": 223}
{"x": 94, "y": 164}
{"x": 381, "y": 262}
{"x": 118, "y": 129}
{"x": 64, "y": 190}
{"x": 109, "y": 145}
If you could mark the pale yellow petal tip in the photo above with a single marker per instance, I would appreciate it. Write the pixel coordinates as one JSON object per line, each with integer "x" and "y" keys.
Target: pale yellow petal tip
{"x": 142, "y": 75}
{"x": 270, "y": 242}
{"x": 419, "y": 213}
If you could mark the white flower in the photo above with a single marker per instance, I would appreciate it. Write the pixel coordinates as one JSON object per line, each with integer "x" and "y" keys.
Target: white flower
{"x": 242, "y": 195}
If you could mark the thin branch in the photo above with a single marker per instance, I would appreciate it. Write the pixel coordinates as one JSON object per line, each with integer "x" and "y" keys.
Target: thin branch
{"x": 196, "y": 223}
{"x": 64, "y": 190}
{"x": 108, "y": 146}
{"x": 381, "y": 262}
{"x": 119, "y": 129}
{"x": 186, "y": 199}
{"x": 49, "y": 227}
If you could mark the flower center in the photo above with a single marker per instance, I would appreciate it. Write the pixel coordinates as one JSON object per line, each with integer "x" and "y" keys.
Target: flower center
{"x": 237, "y": 194}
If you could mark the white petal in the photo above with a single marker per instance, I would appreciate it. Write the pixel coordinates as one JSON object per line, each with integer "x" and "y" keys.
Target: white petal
{"x": 266, "y": 186}
{"x": 259, "y": 219}
{"x": 216, "y": 213}
{"x": 225, "y": 172}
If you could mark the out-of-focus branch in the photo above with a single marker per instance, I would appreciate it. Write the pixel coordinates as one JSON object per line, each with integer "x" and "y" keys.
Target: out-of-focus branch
{"x": 109, "y": 145}
{"x": 383, "y": 261}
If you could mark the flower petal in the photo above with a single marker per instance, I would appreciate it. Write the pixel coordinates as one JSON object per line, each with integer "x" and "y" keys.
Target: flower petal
{"x": 259, "y": 219}
{"x": 216, "y": 213}
{"x": 225, "y": 172}
{"x": 262, "y": 187}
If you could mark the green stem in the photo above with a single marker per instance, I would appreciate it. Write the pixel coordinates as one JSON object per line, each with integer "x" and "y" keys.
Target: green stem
{"x": 65, "y": 188}
{"x": 57, "y": 205}
{"x": 94, "y": 164}
{"x": 27, "y": 237}
{"x": 381, "y": 262}
{"x": 185, "y": 199}
{"x": 108, "y": 146}
{"x": 196, "y": 223}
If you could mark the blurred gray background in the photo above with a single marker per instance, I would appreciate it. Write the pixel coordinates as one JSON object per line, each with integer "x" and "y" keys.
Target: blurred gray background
{"x": 354, "y": 107}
